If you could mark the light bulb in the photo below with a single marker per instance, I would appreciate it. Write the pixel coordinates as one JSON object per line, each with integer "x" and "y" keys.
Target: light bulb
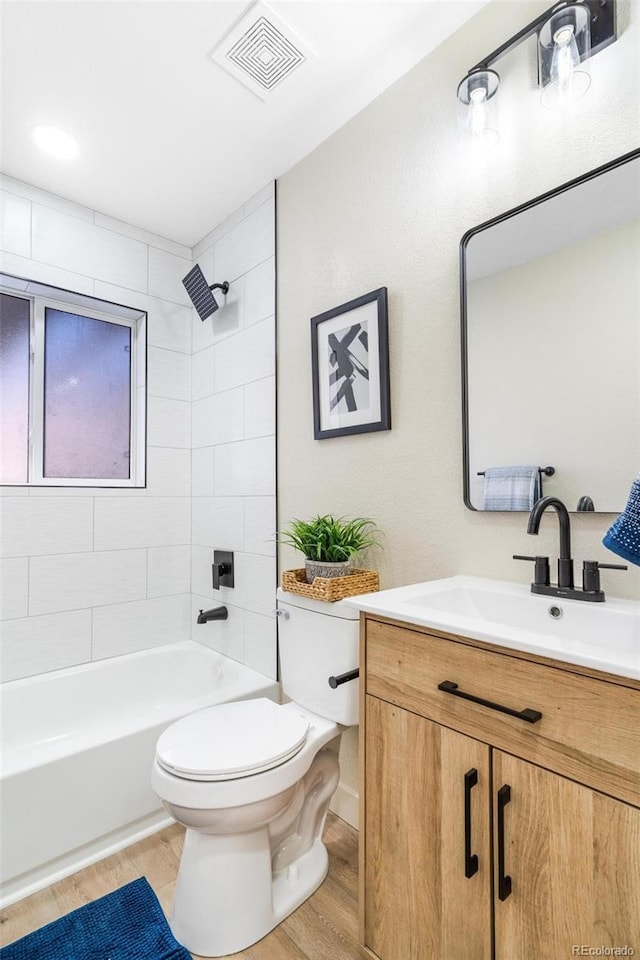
{"x": 566, "y": 77}
{"x": 475, "y": 94}
{"x": 478, "y": 112}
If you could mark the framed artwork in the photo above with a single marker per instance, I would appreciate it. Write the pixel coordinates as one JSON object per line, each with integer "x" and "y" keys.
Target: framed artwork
{"x": 350, "y": 367}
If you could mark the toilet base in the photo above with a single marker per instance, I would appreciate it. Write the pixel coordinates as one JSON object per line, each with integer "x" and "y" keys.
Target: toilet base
{"x": 240, "y": 907}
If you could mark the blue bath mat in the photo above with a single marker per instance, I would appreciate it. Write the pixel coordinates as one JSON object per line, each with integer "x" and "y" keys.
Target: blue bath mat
{"x": 127, "y": 924}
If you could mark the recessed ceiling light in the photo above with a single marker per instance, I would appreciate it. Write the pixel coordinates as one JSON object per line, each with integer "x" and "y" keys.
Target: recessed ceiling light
{"x": 55, "y": 142}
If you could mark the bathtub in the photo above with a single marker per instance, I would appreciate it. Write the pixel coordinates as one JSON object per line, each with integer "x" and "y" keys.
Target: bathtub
{"x": 77, "y": 749}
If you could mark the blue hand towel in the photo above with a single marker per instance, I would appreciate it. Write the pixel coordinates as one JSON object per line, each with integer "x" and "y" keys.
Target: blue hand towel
{"x": 511, "y": 488}
{"x": 623, "y": 537}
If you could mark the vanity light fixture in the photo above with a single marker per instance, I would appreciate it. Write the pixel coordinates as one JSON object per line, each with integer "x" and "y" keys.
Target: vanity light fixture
{"x": 569, "y": 33}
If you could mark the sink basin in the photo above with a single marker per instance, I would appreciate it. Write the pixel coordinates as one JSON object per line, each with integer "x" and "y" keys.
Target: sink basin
{"x": 603, "y": 636}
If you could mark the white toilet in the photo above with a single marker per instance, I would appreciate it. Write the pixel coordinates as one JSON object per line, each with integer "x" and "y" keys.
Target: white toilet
{"x": 251, "y": 782}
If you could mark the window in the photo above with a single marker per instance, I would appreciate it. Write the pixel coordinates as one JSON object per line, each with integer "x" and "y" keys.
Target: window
{"x": 72, "y": 397}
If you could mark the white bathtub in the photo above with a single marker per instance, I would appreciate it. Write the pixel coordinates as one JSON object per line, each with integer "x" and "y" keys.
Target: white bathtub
{"x": 77, "y": 749}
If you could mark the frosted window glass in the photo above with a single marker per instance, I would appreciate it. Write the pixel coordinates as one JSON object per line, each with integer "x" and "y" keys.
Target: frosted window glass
{"x": 14, "y": 389}
{"x": 87, "y": 397}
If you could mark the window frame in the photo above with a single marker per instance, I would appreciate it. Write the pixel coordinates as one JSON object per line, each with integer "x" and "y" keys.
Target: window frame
{"x": 40, "y": 297}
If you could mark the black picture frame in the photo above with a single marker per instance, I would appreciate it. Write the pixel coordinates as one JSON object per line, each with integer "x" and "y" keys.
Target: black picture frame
{"x": 350, "y": 367}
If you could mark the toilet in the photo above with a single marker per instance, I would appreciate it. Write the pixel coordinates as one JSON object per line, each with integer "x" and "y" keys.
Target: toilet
{"x": 252, "y": 780}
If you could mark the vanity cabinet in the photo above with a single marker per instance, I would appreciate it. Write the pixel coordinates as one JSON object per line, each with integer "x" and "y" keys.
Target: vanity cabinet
{"x": 485, "y": 836}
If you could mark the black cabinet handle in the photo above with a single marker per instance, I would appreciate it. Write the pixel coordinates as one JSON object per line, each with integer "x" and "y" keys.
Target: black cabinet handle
{"x": 531, "y": 716}
{"x": 504, "y": 881}
{"x": 470, "y": 859}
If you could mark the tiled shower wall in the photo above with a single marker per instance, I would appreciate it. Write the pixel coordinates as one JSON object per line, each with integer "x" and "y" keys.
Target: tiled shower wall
{"x": 93, "y": 573}
{"x": 233, "y": 435}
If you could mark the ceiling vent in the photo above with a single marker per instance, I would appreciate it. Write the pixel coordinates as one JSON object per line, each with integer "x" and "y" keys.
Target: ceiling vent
{"x": 260, "y": 51}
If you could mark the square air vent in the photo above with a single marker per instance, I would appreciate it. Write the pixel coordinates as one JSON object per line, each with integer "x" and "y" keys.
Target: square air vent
{"x": 261, "y": 50}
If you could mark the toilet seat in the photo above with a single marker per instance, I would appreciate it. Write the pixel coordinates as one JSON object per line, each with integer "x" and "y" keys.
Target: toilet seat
{"x": 231, "y": 740}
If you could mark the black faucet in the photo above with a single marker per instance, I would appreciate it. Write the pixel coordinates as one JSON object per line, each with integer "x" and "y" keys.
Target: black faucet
{"x": 218, "y": 613}
{"x": 564, "y": 587}
{"x": 565, "y": 563}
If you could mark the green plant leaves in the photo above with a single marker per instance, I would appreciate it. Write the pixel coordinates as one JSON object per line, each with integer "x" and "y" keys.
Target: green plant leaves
{"x": 330, "y": 539}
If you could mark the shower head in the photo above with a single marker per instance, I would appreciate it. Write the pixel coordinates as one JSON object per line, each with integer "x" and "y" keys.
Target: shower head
{"x": 200, "y": 292}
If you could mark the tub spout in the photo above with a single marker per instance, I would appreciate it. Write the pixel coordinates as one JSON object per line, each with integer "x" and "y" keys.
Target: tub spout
{"x": 218, "y": 613}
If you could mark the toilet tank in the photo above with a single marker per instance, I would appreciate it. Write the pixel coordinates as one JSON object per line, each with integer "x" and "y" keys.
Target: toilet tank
{"x": 318, "y": 640}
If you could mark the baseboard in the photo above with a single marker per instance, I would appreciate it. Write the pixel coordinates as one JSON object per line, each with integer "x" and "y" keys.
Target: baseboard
{"x": 345, "y": 804}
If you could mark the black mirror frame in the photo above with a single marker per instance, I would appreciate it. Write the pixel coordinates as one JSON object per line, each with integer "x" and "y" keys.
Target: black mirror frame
{"x": 611, "y": 165}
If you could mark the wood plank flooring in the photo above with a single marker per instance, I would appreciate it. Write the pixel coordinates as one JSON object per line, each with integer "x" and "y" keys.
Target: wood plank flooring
{"x": 325, "y": 927}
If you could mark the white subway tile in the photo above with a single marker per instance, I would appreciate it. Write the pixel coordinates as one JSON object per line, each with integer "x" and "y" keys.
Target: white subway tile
{"x": 36, "y": 645}
{"x": 168, "y": 472}
{"x": 14, "y": 492}
{"x": 41, "y": 525}
{"x": 72, "y": 244}
{"x": 245, "y": 469}
{"x": 260, "y": 525}
{"x": 201, "y": 579}
{"x": 218, "y": 419}
{"x": 267, "y": 193}
{"x": 203, "y": 422}
{"x": 247, "y": 244}
{"x": 14, "y": 587}
{"x": 168, "y": 374}
{"x": 260, "y": 644}
{"x": 254, "y": 584}
{"x": 21, "y": 189}
{"x": 202, "y": 472}
{"x": 151, "y": 522}
{"x": 225, "y": 322}
{"x": 214, "y": 235}
{"x": 230, "y": 317}
{"x": 166, "y": 272}
{"x": 248, "y": 356}
{"x": 137, "y": 233}
{"x": 45, "y": 273}
{"x": 260, "y": 292}
{"x": 168, "y": 324}
{"x": 260, "y": 408}
{"x": 15, "y": 224}
{"x": 168, "y": 423}
{"x": 202, "y": 374}
{"x": 127, "y": 627}
{"x": 168, "y": 571}
{"x": 80, "y": 580}
{"x": 225, "y": 636}
{"x": 217, "y": 522}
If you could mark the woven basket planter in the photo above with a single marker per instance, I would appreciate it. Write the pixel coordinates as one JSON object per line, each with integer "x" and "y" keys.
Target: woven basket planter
{"x": 331, "y": 588}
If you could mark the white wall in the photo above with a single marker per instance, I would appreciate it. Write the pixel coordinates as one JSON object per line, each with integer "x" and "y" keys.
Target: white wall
{"x": 385, "y": 201}
{"x": 92, "y": 573}
{"x": 233, "y": 434}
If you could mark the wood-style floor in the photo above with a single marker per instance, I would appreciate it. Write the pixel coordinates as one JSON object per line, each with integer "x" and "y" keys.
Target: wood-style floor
{"x": 325, "y": 927}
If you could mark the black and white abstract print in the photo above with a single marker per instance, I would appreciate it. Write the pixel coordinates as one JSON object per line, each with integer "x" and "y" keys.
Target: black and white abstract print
{"x": 349, "y": 387}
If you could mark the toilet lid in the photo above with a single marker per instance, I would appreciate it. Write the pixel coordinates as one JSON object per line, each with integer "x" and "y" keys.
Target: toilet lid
{"x": 231, "y": 740}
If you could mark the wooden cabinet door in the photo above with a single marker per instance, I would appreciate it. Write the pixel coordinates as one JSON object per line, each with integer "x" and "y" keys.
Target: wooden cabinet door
{"x": 418, "y": 903}
{"x": 573, "y": 856}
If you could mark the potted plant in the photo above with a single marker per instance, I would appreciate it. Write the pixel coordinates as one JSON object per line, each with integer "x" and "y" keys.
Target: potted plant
{"x": 330, "y": 543}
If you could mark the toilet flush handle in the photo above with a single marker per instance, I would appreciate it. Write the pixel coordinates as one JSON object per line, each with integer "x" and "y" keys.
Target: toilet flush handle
{"x": 343, "y": 678}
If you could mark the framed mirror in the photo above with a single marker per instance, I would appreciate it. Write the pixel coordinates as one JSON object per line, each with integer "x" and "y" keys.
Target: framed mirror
{"x": 550, "y": 311}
